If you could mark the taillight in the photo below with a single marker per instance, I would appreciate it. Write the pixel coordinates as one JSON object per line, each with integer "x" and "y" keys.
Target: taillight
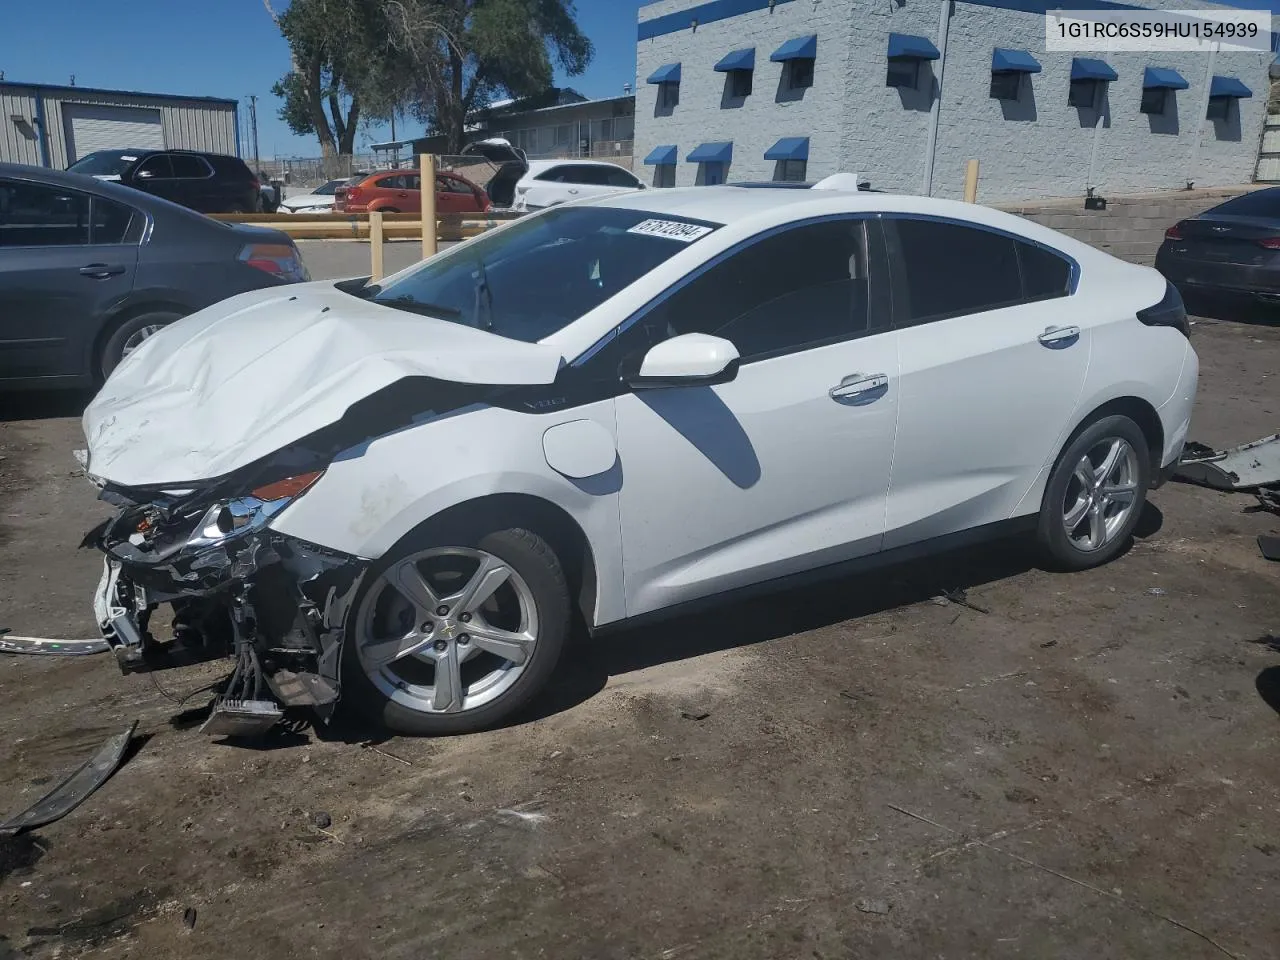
{"x": 1174, "y": 232}
{"x": 257, "y": 184}
{"x": 1270, "y": 243}
{"x": 352, "y": 193}
{"x": 281, "y": 260}
{"x": 1169, "y": 312}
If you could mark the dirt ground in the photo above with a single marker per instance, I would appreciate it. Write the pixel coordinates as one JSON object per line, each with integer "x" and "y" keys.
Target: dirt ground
{"x": 1091, "y": 769}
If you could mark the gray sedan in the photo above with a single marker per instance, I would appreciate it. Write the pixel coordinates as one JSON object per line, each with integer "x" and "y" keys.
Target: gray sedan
{"x": 89, "y": 269}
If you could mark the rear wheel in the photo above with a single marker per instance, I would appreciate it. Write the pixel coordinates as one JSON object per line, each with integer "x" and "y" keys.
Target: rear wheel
{"x": 129, "y": 336}
{"x": 456, "y": 637}
{"x": 1095, "y": 495}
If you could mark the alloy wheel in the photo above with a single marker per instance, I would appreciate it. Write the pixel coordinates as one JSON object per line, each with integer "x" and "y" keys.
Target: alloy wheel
{"x": 446, "y": 630}
{"x": 1101, "y": 494}
{"x": 135, "y": 339}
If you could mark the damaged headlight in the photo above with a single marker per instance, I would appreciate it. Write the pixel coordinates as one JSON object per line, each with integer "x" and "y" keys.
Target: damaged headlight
{"x": 231, "y": 518}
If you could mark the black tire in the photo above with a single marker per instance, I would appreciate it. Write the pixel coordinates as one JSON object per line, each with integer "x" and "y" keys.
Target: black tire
{"x": 113, "y": 349}
{"x": 388, "y": 210}
{"x": 1058, "y": 550}
{"x": 530, "y": 557}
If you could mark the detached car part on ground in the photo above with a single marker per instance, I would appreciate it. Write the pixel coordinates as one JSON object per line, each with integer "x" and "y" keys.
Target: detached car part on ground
{"x": 403, "y": 494}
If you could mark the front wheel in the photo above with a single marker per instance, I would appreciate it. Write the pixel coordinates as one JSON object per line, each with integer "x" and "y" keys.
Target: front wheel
{"x": 1095, "y": 495}
{"x": 457, "y": 637}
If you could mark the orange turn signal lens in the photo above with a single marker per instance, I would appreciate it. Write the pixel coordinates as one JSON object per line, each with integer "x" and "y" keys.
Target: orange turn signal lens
{"x": 288, "y": 487}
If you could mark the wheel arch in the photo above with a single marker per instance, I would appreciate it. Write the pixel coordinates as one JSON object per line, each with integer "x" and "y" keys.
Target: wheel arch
{"x": 1140, "y": 411}
{"x": 550, "y": 521}
{"x": 122, "y": 315}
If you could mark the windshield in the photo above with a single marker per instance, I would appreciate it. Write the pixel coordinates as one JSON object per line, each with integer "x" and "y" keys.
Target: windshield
{"x": 108, "y": 163}
{"x": 330, "y": 187}
{"x": 539, "y": 275}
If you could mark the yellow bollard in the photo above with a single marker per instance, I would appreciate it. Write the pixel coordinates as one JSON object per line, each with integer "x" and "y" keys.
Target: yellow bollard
{"x": 375, "y": 243}
{"x": 971, "y": 182}
{"x": 427, "y": 174}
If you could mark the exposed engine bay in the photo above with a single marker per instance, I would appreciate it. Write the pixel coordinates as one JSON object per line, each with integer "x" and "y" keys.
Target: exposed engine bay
{"x": 274, "y": 604}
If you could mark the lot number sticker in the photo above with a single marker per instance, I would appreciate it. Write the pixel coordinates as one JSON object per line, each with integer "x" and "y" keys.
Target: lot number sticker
{"x": 671, "y": 229}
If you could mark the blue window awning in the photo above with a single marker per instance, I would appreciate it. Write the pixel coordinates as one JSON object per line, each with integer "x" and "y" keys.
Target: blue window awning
{"x": 789, "y": 148}
{"x": 1162, "y": 78}
{"x": 905, "y": 46}
{"x": 670, "y": 73}
{"x": 1004, "y": 60}
{"x": 661, "y": 156}
{"x": 1228, "y": 87}
{"x": 738, "y": 60}
{"x": 798, "y": 48}
{"x": 1087, "y": 68}
{"x": 721, "y": 152}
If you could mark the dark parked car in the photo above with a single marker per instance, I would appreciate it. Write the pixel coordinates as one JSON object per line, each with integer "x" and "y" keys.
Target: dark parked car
{"x": 208, "y": 182}
{"x": 1231, "y": 249}
{"x": 89, "y": 269}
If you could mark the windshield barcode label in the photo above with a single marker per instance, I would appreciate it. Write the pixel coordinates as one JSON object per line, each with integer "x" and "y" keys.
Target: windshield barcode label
{"x": 671, "y": 229}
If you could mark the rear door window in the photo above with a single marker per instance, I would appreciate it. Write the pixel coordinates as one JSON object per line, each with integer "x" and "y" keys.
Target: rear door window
{"x": 110, "y": 222}
{"x": 1045, "y": 274}
{"x": 155, "y": 167}
{"x": 617, "y": 177}
{"x": 36, "y": 215}
{"x": 944, "y": 269}
{"x": 189, "y": 167}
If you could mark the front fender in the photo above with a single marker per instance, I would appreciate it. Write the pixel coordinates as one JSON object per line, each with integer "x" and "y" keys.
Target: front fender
{"x": 375, "y": 494}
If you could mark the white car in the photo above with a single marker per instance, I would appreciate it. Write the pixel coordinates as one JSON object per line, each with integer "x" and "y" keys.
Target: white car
{"x": 319, "y": 200}
{"x": 406, "y": 493}
{"x": 525, "y": 185}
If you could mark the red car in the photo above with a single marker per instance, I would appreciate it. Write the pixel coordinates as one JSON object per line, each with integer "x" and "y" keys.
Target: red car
{"x": 400, "y": 191}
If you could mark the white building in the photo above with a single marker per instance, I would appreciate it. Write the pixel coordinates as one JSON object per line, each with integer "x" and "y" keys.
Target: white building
{"x": 799, "y": 89}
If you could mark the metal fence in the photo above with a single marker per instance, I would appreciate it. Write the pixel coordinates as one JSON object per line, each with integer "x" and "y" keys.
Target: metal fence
{"x": 313, "y": 171}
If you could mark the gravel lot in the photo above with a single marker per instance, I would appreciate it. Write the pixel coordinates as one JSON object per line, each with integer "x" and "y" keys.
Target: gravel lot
{"x": 853, "y": 771}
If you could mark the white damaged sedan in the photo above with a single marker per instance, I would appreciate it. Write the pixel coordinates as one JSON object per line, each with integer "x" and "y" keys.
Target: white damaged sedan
{"x": 404, "y": 494}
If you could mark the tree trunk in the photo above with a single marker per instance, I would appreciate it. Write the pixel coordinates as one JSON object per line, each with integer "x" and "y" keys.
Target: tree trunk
{"x": 347, "y": 134}
{"x": 457, "y": 128}
{"x": 315, "y": 105}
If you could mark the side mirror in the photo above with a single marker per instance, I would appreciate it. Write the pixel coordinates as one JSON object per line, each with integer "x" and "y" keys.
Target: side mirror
{"x": 692, "y": 359}
{"x": 145, "y": 174}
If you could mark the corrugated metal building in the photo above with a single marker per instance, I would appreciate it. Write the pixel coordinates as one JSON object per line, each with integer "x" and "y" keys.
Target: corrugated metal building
{"x": 54, "y": 126}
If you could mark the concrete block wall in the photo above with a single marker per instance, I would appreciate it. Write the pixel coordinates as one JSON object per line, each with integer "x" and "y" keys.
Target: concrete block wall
{"x": 1131, "y": 227}
{"x": 1038, "y": 146}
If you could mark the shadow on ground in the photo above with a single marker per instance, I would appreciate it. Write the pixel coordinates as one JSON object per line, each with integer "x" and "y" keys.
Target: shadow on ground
{"x": 43, "y": 404}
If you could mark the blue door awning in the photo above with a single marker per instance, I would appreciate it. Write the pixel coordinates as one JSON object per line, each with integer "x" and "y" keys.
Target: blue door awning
{"x": 905, "y": 46}
{"x": 1228, "y": 87}
{"x": 721, "y": 152}
{"x": 1004, "y": 60}
{"x": 789, "y": 148}
{"x": 738, "y": 60}
{"x": 798, "y": 48}
{"x": 1162, "y": 78}
{"x": 660, "y": 156}
{"x": 670, "y": 73}
{"x": 1087, "y": 68}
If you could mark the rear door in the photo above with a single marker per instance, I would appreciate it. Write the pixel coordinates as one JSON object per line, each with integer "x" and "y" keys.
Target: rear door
{"x": 67, "y": 259}
{"x": 994, "y": 356}
{"x": 155, "y": 176}
{"x": 197, "y": 188}
{"x": 454, "y": 196}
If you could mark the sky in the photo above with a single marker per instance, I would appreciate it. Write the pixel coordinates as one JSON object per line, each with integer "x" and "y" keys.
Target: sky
{"x": 232, "y": 49}
{"x": 185, "y": 47}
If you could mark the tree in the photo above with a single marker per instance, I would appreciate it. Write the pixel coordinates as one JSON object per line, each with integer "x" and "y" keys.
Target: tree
{"x": 464, "y": 53}
{"x": 341, "y": 69}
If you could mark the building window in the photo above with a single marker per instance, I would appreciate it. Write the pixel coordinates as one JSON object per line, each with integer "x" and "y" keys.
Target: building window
{"x": 1154, "y": 99}
{"x": 790, "y": 171}
{"x": 712, "y": 174}
{"x": 800, "y": 74}
{"x": 668, "y": 95}
{"x": 740, "y": 83}
{"x": 1005, "y": 84}
{"x": 1219, "y": 108}
{"x": 664, "y": 175}
{"x": 903, "y": 73}
{"x": 1083, "y": 93}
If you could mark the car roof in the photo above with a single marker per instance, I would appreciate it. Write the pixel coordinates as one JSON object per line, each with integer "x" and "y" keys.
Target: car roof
{"x": 547, "y": 164}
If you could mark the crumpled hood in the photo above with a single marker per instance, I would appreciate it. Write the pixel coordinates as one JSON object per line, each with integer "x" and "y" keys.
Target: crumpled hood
{"x": 245, "y": 377}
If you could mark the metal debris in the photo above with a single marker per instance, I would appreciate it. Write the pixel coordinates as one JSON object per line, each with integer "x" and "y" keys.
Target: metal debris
{"x": 960, "y": 597}
{"x": 322, "y": 820}
{"x": 10, "y": 643}
{"x": 694, "y": 716}
{"x": 1157, "y": 591}
{"x": 1246, "y": 467}
{"x": 189, "y": 918}
{"x": 76, "y": 788}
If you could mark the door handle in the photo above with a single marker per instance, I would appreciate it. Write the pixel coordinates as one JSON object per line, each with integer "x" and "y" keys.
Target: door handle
{"x": 1059, "y": 336}
{"x": 573, "y": 191}
{"x": 860, "y": 386}
{"x": 100, "y": 271}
